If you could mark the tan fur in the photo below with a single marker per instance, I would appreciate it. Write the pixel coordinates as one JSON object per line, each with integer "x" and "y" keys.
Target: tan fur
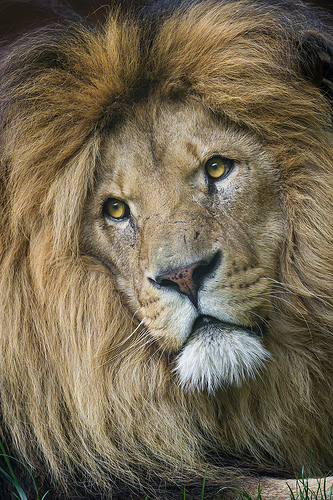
{"x": 88, "y": 346}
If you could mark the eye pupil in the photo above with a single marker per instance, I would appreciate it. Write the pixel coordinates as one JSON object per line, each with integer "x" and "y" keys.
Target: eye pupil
{"x": 214, "y": 166}
{"x": 115, "y": 209}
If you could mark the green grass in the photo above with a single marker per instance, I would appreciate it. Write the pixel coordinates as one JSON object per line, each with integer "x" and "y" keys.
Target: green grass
{"x": 10, "y": 475}
{"x": 203, "y": 486}
{"x": 303, "y": 491}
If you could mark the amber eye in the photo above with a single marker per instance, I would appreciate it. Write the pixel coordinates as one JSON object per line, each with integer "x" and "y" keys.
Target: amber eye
{"x": 115, "y": 209}
{"x": 218, "y": 167}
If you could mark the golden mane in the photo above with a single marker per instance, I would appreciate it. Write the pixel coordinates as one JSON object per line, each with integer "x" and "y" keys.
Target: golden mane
{"x": 81, "y": 394}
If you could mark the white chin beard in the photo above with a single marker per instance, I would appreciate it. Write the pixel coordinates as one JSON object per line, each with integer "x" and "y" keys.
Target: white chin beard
{"x": 219, "y": 355}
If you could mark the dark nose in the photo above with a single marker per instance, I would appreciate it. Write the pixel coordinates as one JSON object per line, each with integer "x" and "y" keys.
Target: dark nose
{"x": 188, "y": 280}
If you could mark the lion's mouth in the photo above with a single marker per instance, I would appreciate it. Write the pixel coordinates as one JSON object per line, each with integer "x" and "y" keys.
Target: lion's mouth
{"x": 206, "y": 323}
{"x": 220, "y": 354}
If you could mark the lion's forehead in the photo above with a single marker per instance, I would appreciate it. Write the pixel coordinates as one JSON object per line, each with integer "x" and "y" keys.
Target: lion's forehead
{"x": 159, "y": 147}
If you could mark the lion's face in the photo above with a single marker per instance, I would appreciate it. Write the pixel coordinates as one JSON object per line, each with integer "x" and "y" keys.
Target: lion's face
{"x": 186, "y": 215}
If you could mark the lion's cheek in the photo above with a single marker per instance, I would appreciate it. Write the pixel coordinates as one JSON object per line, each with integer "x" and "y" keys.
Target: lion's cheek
{"x": 238, "y": 298}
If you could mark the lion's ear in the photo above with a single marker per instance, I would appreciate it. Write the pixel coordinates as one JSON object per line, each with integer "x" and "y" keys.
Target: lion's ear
{"x": 315, "y": 59}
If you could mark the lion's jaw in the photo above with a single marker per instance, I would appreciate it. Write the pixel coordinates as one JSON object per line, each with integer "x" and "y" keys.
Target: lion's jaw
{"x": 219, "y": 355}
{"x": 178, "y": 219}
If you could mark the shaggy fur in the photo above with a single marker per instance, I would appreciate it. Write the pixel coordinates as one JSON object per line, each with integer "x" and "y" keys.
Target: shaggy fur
{"x": 85, "y": 401}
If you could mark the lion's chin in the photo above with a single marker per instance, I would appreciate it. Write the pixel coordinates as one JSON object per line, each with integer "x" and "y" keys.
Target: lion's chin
{"x": 219, "y": 355}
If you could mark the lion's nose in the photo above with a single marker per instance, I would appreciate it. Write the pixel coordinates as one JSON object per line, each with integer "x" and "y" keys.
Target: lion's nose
{"x": 187, "y": 280}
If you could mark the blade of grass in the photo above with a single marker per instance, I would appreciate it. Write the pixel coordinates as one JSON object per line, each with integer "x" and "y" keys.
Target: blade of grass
{"x": 6, "y": 457}
{"x": 203, "y": 484}
{"x": 13, "y": 479}
{"x": 16, "y": 485}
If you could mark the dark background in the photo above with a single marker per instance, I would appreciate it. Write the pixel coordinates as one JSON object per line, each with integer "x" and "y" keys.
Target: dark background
{"x": 17, "y": 16}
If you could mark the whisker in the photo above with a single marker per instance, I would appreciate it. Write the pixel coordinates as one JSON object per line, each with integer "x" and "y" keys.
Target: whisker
{"x": 122, "y": 342}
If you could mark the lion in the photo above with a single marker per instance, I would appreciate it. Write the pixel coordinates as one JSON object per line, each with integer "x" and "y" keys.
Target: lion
{"x": 167, "y": 251}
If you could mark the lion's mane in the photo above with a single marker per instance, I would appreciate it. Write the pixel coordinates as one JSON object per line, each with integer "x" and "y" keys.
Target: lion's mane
{"x": 82, "y": 396}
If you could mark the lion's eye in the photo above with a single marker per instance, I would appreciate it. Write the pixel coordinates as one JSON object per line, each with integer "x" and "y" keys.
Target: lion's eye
{"x": 218, "y": 167}
{"x": 116, "y": 209}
